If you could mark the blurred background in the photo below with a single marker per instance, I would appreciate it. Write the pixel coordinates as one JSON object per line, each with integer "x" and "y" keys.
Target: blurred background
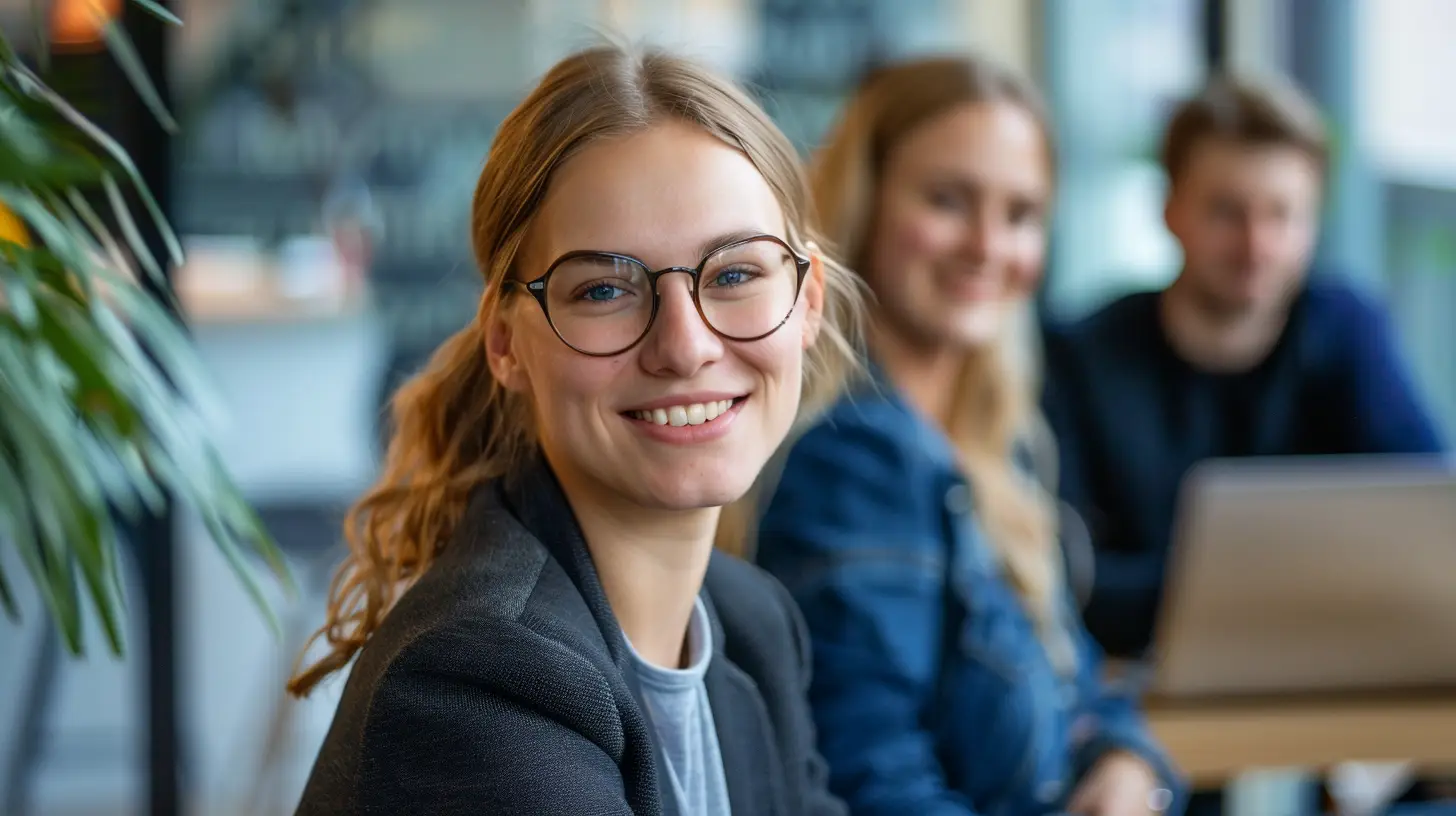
{"x": 321, "y": 182}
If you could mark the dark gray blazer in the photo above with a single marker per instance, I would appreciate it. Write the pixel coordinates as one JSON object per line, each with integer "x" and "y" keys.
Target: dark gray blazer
{"x": 501, "y": 684}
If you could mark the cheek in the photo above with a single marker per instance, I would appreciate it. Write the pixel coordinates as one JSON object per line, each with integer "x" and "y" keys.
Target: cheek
{"x": 1201, "y": 246}
{"x": 1220, "y": 239}
{"x": 1027, "y": 263}
{"x": 779, "y": 362}
{"x": 1306, "y": 236}
{"x": 925, "y": 235}
{"x": 565, "y": 384}
{"x": 910, "y": 236}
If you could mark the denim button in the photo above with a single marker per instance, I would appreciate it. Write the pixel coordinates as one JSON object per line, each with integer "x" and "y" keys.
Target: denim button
{"x": 1048, "y": 791}
{"x": 958, "y": 499}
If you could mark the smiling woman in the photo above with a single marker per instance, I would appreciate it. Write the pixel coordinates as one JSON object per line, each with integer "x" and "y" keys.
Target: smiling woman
{"x": 952, "y": 674}
{"x": 540, "y": 620}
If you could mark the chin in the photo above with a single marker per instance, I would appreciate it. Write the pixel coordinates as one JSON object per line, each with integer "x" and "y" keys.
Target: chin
{"x": 691, "y": 492}
{"x": 696, "y": 497}
{"x": 1239, "y": 300}
{"x": 974, "y": 331}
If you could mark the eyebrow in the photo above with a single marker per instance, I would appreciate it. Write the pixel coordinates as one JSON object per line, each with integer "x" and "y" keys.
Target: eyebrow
{"x": 723, "y": 239}
{"x": 973, "y": 186}
{"x": 714, "y": 243}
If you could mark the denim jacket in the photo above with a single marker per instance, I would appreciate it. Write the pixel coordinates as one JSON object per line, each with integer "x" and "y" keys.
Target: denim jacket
{"x": 931, "y": 692}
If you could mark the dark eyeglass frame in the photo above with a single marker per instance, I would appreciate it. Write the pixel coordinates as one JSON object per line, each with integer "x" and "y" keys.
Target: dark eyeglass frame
{"x": 537, "y": 288}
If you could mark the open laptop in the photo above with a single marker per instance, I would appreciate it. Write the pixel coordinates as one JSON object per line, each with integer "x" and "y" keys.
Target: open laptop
{"x": 1308, "y": 575}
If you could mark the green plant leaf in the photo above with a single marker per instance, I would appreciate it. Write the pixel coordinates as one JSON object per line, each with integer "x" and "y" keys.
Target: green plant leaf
{"x": 72, "y": 250}
{"x": 49, "y": 166}
{"x": 133, "y": 236}
{"x": 38, "y": 89}
{"x": 38, "y": 11}
{"x": 7, "y": 596}
{"x": 97, "y": 227}
{"x": 226, "y": 537}
{"x": 159, "y": 12}
{"x": 80, "y": 348}
{"x": 167, "y": 341}
{"x": 131, "y": 64}
{"x": 21, "y": 302}
{"x": 52, "y": 561}
{"x": 17, "y": 527}
{"x": 21, "y": 135}
{"x": 103, "y": 402}
{"x": 93, "y": 542}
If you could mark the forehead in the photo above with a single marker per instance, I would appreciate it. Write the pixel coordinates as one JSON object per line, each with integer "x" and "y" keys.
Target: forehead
{"x": 989, "y": 144}
{"x": 1221, "y": 166}
{"x": 660, "y": 194}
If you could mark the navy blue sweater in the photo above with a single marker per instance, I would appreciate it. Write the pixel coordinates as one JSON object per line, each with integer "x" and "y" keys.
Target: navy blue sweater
{"x": 1132, "y": 418}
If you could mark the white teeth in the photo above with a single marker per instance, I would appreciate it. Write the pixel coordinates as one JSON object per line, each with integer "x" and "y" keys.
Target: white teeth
{"x": 679, "y": 415}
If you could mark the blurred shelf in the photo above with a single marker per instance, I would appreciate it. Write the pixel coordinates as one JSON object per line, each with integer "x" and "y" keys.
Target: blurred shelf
{"x": 227, "y": 281}
{"x": 265, "y": 305}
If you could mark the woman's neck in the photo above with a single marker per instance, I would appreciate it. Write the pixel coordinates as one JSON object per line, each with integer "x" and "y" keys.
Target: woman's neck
{"x": 651, "y": 565}
{"x": 925, "y": 374}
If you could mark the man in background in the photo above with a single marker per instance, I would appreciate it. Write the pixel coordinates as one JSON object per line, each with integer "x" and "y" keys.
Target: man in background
{"x": 1246, "y": 353}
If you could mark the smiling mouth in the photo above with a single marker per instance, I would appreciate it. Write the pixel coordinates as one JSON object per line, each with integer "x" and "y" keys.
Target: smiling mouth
{"x": 693, "y": 413}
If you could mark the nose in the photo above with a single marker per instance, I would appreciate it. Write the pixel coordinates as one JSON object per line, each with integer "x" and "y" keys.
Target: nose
{"x": 1261, "y": 238}
{"x": 680, "y": 343}
{"x": 984, "y": 234}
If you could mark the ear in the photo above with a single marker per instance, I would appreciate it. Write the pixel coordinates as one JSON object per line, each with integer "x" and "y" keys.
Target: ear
{"x": 500, "y": 350}
{"x": 814, "y": 286}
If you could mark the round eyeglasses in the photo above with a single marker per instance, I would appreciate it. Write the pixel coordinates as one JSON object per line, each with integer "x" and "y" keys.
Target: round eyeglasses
{"x": 604, "y": 303}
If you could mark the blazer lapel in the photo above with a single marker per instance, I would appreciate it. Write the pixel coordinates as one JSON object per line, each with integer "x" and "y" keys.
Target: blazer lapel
{"x": 750, "y": 756}
{"x": 536, "y": 498}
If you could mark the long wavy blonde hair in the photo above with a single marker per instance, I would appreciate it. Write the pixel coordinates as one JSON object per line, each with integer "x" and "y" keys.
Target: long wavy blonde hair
{"x": 454, "y": 426}
{"x": 994, "y": 409}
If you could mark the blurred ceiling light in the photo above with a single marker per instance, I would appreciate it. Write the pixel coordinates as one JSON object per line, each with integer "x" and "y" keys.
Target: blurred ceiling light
{"x": 78, "y": 24}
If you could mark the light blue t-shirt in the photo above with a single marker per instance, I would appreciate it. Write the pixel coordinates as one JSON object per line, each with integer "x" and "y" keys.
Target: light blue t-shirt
{"x": 677, "y": 701}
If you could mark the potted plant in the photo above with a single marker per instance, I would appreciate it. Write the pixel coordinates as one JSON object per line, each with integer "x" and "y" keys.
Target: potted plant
{"x": 104, "y": 410}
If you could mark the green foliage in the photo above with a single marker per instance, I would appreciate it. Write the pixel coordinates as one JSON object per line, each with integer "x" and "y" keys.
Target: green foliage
{"x": 102, "y": 399}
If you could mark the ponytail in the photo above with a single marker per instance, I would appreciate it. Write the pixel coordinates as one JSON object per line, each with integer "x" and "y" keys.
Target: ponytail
{"x": 454, "y": 427}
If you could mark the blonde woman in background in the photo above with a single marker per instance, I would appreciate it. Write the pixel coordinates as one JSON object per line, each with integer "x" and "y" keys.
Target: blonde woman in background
{"x": 536, "y": 617}
{"x": 951, "y": 671}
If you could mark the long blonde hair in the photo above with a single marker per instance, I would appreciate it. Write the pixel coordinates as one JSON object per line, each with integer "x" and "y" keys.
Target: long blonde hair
{"x": 994, "y": 408}
{"x": 454, "y": 425}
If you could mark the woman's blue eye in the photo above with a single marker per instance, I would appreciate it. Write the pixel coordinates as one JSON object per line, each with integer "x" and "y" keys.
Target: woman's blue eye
{"x": 731, "y": 277}
{"x": 602, "y": 293}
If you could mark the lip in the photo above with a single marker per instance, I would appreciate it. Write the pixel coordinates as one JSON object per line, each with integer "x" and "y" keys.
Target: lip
{"x": 962, "y": 288}
{"x": 688, "y": 434}
{"x": 686, "y": 399}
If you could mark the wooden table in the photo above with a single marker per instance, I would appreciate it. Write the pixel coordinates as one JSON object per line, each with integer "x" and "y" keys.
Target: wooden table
{"x": 1214, "y": 742}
